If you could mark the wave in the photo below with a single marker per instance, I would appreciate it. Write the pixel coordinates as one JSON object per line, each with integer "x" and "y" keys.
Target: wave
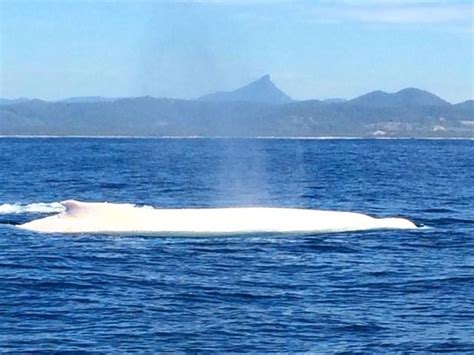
{"x": 97, "y": 217}
{"x": 54, "y": 207}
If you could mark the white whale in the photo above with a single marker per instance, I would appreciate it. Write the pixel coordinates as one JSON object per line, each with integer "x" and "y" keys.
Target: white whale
{"x": 86, "y": 217}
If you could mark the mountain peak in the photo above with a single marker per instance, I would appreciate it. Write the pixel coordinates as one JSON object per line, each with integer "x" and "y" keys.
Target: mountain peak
{"x": 404, "y": 97}
{"x": 262, "y": 90}
{"x": 418, "y": 97}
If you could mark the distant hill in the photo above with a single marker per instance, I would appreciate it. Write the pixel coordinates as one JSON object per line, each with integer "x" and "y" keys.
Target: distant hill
{"x": 407, "y": 113}
{"x": 407, "y": 97}
{"x": 262, "y": 90}
{"x": 80, "y": 99}
{"x": 466, "y": 105}
{"x": 12, "y": 101}
{"x": 335, "y": 100}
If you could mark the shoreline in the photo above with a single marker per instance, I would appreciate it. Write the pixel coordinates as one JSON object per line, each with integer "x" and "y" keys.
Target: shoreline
{"x": 229, "y": 137}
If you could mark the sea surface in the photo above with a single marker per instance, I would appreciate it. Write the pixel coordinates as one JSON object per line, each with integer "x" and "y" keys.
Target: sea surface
{"x": 377, "y": 291}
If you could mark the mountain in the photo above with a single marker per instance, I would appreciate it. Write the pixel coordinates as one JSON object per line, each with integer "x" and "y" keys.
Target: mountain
{"x": 262, "y": 90}
{"x": 407, "y": 97}
{"x": 335, "y": 100}
{"x": 142, "y": 116}
{"x": 12, "y": 101}
{"x": 466, "y": 105}
{"x": 407, "y": 113}
{"x": 80, "y": 99}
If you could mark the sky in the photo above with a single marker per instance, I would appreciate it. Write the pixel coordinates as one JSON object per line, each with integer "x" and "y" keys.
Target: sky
{"x": 183, "y": 49}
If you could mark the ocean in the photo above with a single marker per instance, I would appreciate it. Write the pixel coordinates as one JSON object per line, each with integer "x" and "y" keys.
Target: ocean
{"x": 360, "y": 291}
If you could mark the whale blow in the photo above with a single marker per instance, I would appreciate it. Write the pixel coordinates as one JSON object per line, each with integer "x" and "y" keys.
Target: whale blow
{"x": 112, "y": 218}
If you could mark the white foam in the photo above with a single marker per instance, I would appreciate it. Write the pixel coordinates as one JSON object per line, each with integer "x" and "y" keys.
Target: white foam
{"x": 82, "y": 217}
{"x": 32, "y": 208}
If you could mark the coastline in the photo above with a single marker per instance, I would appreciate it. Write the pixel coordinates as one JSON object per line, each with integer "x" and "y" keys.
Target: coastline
{"x": 230, "y": 137}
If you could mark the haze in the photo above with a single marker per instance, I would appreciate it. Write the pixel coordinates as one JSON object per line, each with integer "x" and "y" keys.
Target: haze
{"x": 184, "y": 49}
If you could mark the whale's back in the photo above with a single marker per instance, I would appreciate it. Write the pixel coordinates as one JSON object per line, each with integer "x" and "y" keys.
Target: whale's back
{"x": 91, "y": 217}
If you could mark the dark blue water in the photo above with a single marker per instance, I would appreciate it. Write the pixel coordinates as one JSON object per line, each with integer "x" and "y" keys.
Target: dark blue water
{"x": 366, "y": 291}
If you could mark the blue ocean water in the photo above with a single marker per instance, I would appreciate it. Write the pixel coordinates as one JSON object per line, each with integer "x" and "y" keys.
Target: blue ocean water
{"x": 362, "y": 291}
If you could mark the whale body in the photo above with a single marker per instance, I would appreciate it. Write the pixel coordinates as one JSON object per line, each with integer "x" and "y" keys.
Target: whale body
{"x": 111, "y": 218}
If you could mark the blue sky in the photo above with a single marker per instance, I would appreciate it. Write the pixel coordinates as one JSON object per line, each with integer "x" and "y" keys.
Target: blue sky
{"x": 311, "y": 49}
